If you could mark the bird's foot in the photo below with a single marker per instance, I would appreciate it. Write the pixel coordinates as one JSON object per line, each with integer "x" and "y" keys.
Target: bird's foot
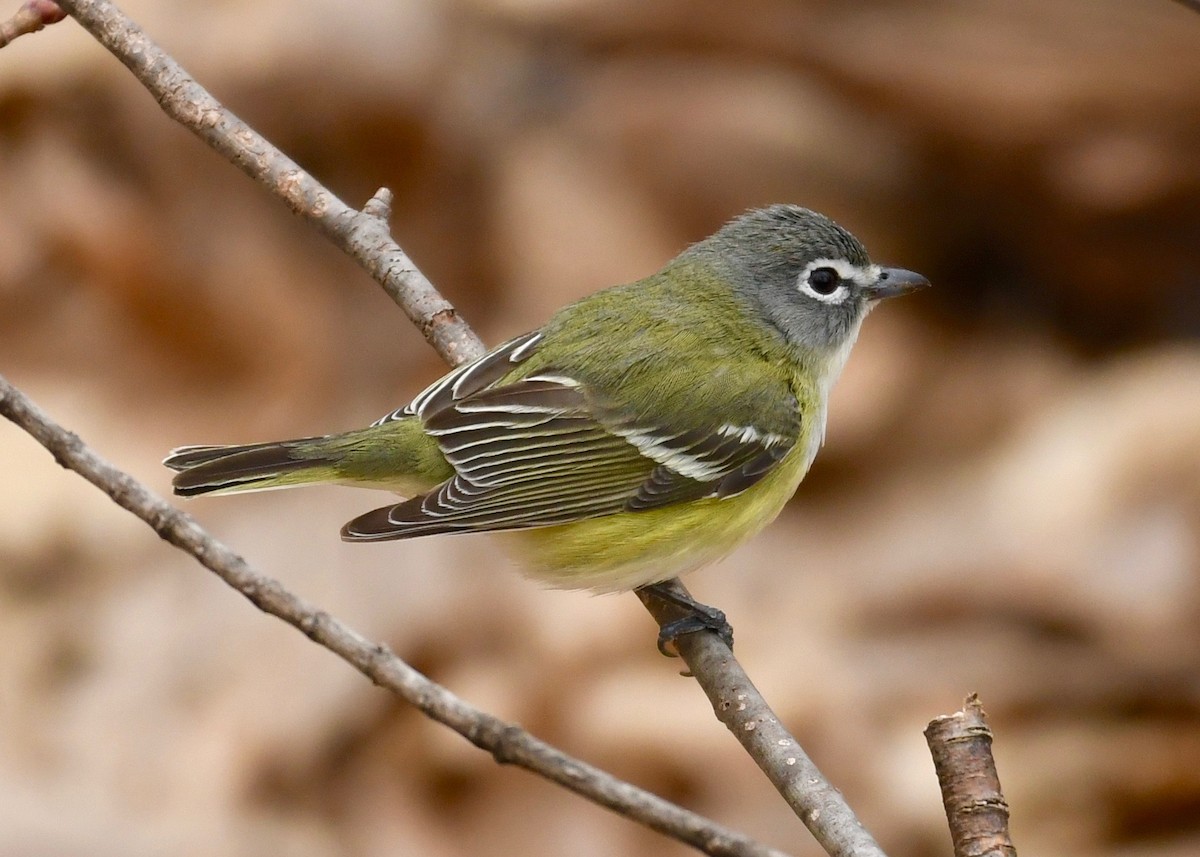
{"x": 699, "y": 617}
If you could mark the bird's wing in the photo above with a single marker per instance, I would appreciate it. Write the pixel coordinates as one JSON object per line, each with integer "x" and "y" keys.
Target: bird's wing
{"x": 548, "y": 449}
{"x": 467, "y": 379}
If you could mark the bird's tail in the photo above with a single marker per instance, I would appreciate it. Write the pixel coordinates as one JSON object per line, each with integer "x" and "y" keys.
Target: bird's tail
{"x": 396, "y": 455}
{"x": 250, "y": 467}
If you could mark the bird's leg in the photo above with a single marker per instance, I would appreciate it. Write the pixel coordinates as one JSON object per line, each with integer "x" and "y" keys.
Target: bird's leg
{"x": 700, "y": 617}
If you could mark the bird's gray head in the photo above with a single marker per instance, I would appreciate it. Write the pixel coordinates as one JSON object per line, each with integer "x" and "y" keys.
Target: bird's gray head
{"x": 807, "y": 277}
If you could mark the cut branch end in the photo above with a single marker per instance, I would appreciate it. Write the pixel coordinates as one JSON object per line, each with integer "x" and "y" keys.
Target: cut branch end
{"x": 961, "y": 745}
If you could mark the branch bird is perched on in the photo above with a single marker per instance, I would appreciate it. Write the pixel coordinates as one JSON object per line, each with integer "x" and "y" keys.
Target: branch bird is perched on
{"x": 641, "y": 433}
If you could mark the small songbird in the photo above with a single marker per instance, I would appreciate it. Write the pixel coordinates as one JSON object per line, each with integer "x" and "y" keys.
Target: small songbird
{"x": 643, "y": 432}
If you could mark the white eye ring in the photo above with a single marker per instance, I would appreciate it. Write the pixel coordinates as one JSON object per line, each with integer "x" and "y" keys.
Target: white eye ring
{"x": 845, "y": 272}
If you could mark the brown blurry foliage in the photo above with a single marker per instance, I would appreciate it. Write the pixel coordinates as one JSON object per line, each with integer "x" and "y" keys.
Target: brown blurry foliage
{"x": 1008, "y": 501}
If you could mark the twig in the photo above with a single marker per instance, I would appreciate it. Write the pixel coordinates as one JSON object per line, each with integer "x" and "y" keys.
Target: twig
{"x": 961, "y": 745}
{"x": 362, "y": 236}
{"x": 365, "y": 237}
{"x": 32, "y": 16}
{"x": 738, "y": 704}
{"x": 508, "y": 743}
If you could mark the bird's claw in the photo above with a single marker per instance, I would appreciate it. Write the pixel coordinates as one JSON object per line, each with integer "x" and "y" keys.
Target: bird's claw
{"x": 704, "y": 618}
{"x": 697, "y": 617}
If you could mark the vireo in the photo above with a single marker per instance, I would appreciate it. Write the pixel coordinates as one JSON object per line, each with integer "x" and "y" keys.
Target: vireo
{"x": 641, "y": 433}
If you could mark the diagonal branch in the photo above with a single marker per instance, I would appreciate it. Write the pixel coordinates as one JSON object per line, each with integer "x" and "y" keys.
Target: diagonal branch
{"x": 738, "y": 704}
{"x": 361, "y": 236}
{"x": 508, "y": 743}
{"x": 364, "y": 236}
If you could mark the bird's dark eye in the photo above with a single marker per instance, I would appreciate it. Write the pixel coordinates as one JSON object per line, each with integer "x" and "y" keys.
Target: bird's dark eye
{"x": 824, "y": 281}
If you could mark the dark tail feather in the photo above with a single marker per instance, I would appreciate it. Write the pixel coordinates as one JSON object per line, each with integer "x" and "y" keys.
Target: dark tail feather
{"x": 249, "y": 467}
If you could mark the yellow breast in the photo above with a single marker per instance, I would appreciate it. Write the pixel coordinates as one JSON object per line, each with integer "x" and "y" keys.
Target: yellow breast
{"x": 631, "y": 549}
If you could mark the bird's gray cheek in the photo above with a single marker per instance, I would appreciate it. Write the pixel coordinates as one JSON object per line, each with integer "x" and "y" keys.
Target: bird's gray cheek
{"x": 841, "y": 323}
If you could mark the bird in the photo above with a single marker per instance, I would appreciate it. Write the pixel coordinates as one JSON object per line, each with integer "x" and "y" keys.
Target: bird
{"x": 641, "y": 433}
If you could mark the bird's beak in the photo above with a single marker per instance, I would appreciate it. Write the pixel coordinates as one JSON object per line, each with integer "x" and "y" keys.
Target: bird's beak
{"x": 893, "y": 282}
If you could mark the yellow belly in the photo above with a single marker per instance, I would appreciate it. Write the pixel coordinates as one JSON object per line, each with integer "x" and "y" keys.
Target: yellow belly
{"x": 632, "y": 549}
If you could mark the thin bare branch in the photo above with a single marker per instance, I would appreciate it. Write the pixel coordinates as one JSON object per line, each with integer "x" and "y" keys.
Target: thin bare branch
{"x": 32, "y": 16}
{"x": 738, "y": 704}
{"x": 508, "y": 743}
{"x": 365, "y": 237}
{"x": 961, "y": 745}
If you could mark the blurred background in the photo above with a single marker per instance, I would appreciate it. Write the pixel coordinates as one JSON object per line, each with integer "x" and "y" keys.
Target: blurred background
{"x": 1008, "y": 503}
